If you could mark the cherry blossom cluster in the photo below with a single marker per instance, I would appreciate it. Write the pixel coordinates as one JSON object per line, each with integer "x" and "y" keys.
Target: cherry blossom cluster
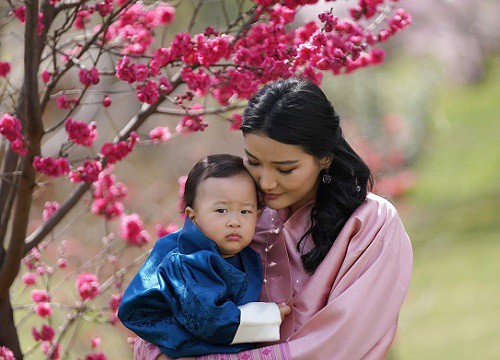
{"x": 4, "y": 68}
{"x": 53, "y": 167}
{"x": 50, "y": 207}
{"x": 108, "y": 195}
{"x": 160, "y": 134}
{"x": 20, "y": 14}
{"x": 63, "y": 102}
{"x": 80, "y": 132}
{"x": 88, "y": 172}
{"x": 89, "y": 77}
{"x": 118, "y": 151}
{"x": 131, "y": 230}
{"x": 11, "y": 129}
{"x": 134, "y": 29}
{"x": 192, "y": 122}
{"x": 6, "y": 353}
{"x": 162, "y": 230}
{"x": 87, "y": 286}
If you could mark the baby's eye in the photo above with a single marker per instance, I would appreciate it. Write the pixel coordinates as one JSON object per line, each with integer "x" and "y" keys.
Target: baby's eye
{"x": 221, "y": 211}
{"x": 246, "y": 212}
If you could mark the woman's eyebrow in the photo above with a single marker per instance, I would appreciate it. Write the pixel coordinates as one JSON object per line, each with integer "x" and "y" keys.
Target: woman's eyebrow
{"x": 286, "y": 162}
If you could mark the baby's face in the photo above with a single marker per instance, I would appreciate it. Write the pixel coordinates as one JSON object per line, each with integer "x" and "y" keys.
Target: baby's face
{"x": 225, "y": 210}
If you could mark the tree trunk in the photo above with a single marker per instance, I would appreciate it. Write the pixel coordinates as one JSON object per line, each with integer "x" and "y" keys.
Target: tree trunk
{"x": 8, "y": 333}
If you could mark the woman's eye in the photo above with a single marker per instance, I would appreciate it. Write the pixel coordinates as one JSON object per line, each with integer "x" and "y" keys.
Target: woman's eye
{"x": 221, "y": 211}
{"x": 251, "y": 163}
{"x": 285, "y": 171}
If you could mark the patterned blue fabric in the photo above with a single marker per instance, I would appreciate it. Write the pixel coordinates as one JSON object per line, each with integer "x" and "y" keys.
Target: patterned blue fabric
{"x": 184, "y": 298}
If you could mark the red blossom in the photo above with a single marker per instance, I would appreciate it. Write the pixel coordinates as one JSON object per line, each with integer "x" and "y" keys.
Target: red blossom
{"x": 165, "y": 230}
{"x": 88, "y": 172}
{"x": 89, "y": 77}
{"x": 10, "y": 128}
{"x": 106, "y": 102}
{"x": 46, "y": 333}
{"x": 131, "y": 230}
{"x": 80, "y": 132}
{"x": 43, "y": 309}
{"x": 29, "y": 279}
{"x": 6, "y": 353}
{"x": 118, "y": 151}
{"x": 38, "y": 296}
{"x": 160, "y": 134}
{"x": 87, "y": 286}
{"x": 4, "y": 68}
{"x": 108, "y": 195}
{"x": 49, "y": 209}
{"x": 51, "y": 167}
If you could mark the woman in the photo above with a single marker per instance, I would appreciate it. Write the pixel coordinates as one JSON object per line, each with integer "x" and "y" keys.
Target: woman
{"x": 337, "y": 254}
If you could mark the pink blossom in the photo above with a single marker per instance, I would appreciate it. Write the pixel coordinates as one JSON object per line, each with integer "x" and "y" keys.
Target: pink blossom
{"x": 89, "y": 77}
{"x": 87, "y": 286}
{"x": 106, "y": 102}
{"x": 236, "y": 122}
{"x": 160, "y": 134}
{"x": 4, "y": 68}
{"x": 88, "y": 172}
{"x": 46, "y": 346}
{"x": 131, "y": 230}
{"x": 38, "y": 296}
{"x": 10, "y": 128}
{"x": 63, "y": 102}
{"x": 20, "y": 13}
{"x": 104, "y": 7}
{"x": 166, "y": 86}
{"x": 6, "y": 353}
{"x": 51, "y": 167}
{"x": 115, "y": 301}
{"x": 198, "y": 81}
{"x": 165, "y": 230}
{"x": 95, "y": 342}
{"x": 62, "y": 263}
{"x": 96, "y": 356}
{"x": 49, "y": 209}
{"x": 107, "y": 195}
{"x": 46, "y": 333}
{"x": 43, "y": 309}
{"x": 80, "y": 132}
{"x": 192, "y": 122}
{"x": 46, "y": 76}
{"x": 82, "y": 18}
{"x": 125, "y": 71}
{"x": 118, "y": 151}
{"x": 164, "y": 14}
{"x": 148, "y": 92}
{"x": 29, "y": 279}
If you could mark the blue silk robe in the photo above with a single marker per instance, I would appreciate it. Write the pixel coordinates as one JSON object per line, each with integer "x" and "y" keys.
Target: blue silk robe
{"x": 184, "y": 298}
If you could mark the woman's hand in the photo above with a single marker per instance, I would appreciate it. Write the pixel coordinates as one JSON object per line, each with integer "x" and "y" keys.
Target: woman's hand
{"x": 284, "y": 310}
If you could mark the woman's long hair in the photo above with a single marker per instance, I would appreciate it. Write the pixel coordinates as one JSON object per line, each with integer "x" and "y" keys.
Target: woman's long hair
{"x": 297, "y": 112}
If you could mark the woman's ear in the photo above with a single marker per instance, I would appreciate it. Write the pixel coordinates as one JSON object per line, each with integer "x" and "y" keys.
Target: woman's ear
{"x": 326, "y": 161}
{"x": 190, "y": 213}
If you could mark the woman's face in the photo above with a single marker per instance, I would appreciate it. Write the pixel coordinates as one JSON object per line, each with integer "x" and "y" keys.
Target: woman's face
{"x": 286, "y": 175}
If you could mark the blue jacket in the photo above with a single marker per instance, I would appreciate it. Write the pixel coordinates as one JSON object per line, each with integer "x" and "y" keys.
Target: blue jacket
{"x": 184, "y": 298}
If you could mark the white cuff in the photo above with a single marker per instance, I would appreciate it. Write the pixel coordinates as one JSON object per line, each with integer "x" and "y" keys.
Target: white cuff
{"x": 259, "y": 321}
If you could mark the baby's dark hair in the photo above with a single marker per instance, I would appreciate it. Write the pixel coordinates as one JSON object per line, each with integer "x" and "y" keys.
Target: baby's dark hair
{"x": 211, "y": 166}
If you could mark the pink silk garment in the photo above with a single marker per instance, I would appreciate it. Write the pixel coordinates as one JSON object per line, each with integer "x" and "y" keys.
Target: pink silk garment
{"x": 348, "y": 309}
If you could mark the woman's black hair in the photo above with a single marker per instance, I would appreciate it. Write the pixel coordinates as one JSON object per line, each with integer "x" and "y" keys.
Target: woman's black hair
{"x": 297, "y": 112}
{"x": 212, "y": 166}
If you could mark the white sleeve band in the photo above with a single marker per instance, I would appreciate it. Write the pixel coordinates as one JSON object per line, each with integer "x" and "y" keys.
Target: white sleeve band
{"x": 259, "y": 321}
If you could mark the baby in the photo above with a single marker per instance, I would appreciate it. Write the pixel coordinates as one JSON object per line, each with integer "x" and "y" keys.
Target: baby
{"x": 197, "y": 292}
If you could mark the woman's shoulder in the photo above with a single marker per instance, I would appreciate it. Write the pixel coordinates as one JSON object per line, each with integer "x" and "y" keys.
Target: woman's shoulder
{"x": 375, "y": 205}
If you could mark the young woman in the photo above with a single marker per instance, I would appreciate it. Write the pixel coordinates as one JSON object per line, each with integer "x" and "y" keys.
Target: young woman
{"x": 337, "y": 254}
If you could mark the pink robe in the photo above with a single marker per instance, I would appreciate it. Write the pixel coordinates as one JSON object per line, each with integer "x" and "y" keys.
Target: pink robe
{"x": 348, "y": 309}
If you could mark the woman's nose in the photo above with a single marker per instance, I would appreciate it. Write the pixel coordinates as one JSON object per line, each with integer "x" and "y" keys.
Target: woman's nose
{"x": 267, "y": 181}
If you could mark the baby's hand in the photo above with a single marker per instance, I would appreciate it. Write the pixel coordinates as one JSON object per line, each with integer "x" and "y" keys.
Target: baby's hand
{"x": 284, "y": 310}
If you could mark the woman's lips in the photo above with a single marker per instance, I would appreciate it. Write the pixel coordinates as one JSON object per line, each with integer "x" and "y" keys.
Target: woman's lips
{"x": 269, "y": 196}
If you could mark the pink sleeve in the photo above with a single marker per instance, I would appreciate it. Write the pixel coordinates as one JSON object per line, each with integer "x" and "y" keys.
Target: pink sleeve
{"x": 147, "y": 351}
{"x": 361, "y": 315}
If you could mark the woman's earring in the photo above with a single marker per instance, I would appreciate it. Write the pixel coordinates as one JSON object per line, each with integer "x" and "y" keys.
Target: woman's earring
{"x": 326, "y": 177}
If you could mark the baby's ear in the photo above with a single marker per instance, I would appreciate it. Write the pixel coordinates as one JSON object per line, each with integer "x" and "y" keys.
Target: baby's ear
{"x": 190, "y": 213}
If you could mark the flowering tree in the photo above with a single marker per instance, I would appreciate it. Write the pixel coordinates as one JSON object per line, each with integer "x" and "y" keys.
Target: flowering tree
{"x": 254, "y": 44}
